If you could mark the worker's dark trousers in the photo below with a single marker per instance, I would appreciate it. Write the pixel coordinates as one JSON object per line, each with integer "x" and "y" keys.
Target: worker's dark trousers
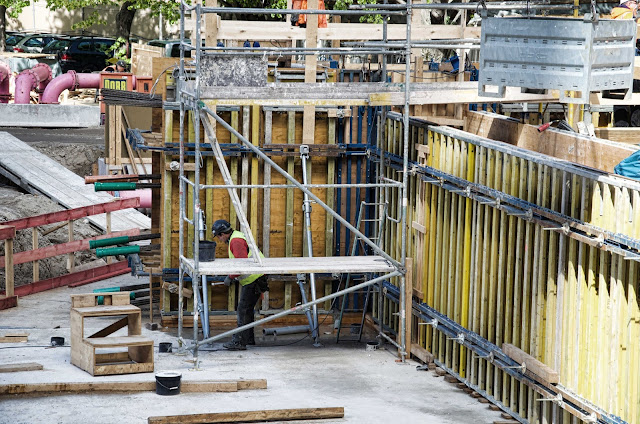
{"x": 249, "y": 296}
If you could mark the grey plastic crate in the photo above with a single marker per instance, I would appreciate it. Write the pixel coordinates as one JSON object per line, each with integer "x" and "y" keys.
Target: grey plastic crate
{"x": 557, "y": 53}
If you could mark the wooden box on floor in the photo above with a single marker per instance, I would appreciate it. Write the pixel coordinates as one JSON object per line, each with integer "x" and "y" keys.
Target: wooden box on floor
{"x": 138, "y": 356}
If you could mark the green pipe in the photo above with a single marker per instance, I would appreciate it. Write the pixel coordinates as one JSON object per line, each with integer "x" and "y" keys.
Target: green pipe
{"x": 121, "y": 186}
{"x": 100, "y": 299}
{"x": 112, "y": 251}
{"x": 108, "y": 242}
{"x": 121, "y": 240}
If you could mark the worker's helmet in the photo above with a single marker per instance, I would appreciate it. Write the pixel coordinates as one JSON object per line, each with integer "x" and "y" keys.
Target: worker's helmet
{"x": 122, "y": 64}
{"x": 221, "y": 226}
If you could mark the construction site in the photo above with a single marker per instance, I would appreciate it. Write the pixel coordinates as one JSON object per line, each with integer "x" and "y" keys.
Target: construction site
{"x": 445, "y": 214}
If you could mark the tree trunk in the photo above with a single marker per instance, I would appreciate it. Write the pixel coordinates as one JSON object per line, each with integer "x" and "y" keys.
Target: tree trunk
{"x": 3, "y": 28}
{"x": 124, "y": 19}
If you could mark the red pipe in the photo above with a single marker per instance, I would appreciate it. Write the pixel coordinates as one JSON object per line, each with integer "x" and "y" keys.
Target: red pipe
{"x": 5, "y": 76}
{"x": 35, "y": 78}
{"x": 69, "y": 81}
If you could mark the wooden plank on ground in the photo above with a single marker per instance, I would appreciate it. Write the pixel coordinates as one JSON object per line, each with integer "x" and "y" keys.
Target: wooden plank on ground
{"x": 533, "y": 365}
{"x": 252, "y": 416}
{"x": 23, "y": 366}
{"x": 206, "y": 386}
{"x": 14, "y": 338}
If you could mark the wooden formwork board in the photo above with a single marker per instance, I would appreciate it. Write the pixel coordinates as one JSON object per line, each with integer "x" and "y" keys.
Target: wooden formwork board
{"x": 281, "y": 235}
{"x": 571, "y": 305}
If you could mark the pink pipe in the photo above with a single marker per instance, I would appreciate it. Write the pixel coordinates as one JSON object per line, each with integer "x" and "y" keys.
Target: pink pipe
{"x": 35, "y": 78}
{"x": 143, "y": 194}
{"x": 69, "y": 81}
{"x": 5, "y": 76}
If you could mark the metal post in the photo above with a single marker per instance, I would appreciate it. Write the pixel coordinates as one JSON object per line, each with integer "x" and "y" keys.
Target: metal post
{"x": 181, "y": 82}
{"x": 196, "y": 196}
{"x": 306, "y": 206}
{"x": 405, "y": 171}
{"x": 312, "y": 326}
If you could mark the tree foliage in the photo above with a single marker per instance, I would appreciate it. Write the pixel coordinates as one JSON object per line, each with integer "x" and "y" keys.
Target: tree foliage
{"x": 11, "y": 8}
{"x": 168, "y": 8}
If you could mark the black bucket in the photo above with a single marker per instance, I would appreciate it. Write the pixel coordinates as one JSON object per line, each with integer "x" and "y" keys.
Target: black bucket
{"x": 168, "y": 383}
{"x": 207, "y": 251}
{"x": 165, "y": 347}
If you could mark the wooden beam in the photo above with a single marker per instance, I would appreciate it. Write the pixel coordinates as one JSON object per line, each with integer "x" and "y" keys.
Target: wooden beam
{"x": 71, "y": 214}
{"x": 14, "y": 338}
{"x": 595, "y": 153}
{"x": 207, "y": 386}
{"x": 252, "y": 416}
{"x": 23, "y": 366}
{"x": 627, "y": 135}
{"x": 533, "y": 365}
{"x": 247, "y": 30}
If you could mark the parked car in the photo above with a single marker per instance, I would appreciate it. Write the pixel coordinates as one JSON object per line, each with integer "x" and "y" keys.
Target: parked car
{"x": 34, "y": 43}
{"x": 171, "y": 47}
{"x": 57, "y": 45}
{"x": 86, "y": 54}
{"x": 13, "y": 40}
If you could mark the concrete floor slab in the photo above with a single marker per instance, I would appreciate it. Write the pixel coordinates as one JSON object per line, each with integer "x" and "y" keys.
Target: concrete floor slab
{"x": 370, "y": 385}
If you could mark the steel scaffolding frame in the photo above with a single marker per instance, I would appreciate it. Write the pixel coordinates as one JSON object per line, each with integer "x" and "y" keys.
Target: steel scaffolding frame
{"x": 190, "y": 101}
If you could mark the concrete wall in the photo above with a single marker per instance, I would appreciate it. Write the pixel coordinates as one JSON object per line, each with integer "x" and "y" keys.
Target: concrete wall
{"x": 37, "y": 17}
{"x": 50, "y": 116}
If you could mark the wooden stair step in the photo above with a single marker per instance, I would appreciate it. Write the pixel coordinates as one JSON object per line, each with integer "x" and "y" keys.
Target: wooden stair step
{"x": 107, "y": 310}
{"x": 123, "y": 341}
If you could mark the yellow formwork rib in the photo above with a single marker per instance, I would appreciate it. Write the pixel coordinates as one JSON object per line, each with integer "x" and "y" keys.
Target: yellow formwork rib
{"x": 466, "y": 256}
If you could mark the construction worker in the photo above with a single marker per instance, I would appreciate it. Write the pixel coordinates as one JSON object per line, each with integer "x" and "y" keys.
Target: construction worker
{"x": 626, "y": 10}
{"x": 252, "y": 286}
{"x": 120, "y": 66}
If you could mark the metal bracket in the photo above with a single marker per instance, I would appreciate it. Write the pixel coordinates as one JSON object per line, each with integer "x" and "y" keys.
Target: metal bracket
{"x": 522, "y": 368}
{"x": 459, "y": 338}
{"x": 528, "y": 215}
{"x": 557, "y": 399}
{"x": 433, "y": 322}
{"x": 490, "y": 357}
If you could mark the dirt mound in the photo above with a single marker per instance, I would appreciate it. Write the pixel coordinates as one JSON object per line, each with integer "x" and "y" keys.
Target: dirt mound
{"x": 79, "y": 158}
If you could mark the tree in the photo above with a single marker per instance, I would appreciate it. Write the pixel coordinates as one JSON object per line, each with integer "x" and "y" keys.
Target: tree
{"x": 12, "y": 8}
{"x": 124, "y": 18}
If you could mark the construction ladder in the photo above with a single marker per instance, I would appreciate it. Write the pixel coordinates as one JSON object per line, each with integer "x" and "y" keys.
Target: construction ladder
{"x": 357, "y": 241}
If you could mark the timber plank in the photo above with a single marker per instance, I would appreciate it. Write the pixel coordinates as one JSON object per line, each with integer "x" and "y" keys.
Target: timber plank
{"x": 205, "y": 386}
{"x": 252, "y": 416}
{"x": 23, "y": 366}
{"x": 39, "y": 174}
{"x": 533, "y": 365}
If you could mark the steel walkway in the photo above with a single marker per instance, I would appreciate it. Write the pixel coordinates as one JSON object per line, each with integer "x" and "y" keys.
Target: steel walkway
{"x": 39, "y": 174}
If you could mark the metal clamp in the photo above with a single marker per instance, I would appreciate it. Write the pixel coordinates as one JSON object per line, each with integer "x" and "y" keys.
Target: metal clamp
{"x": 490, "y": 357}
{"x": 433, "y": 322}
{"x": 557, "y": 399}
{"x": 528, "y": 214}
{"x": 459, "y": 338}
{"x": 522, "y": 368}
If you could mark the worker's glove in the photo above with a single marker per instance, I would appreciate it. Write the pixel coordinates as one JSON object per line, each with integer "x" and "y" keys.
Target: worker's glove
{"x": 228, "y": 280}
